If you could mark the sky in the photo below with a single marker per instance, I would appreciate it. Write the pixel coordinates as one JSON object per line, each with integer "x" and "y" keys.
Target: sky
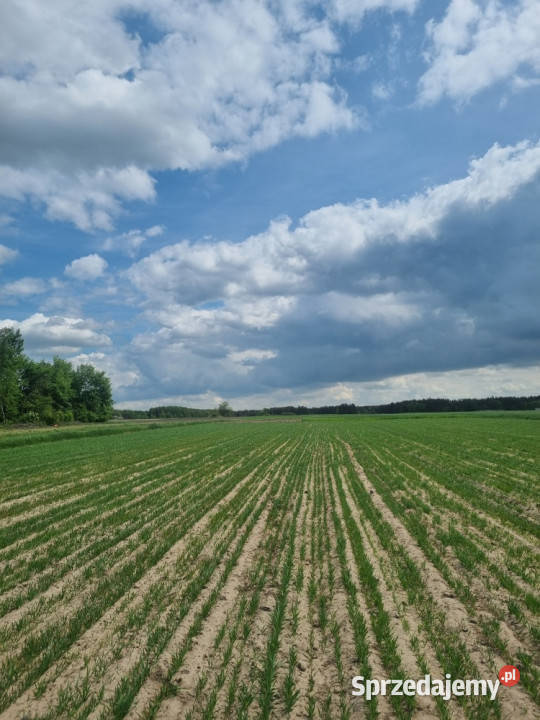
{"x": 274, "y": 202}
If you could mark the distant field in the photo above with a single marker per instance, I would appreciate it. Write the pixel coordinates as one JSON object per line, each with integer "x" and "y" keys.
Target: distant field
{"x": 251, "y": 569}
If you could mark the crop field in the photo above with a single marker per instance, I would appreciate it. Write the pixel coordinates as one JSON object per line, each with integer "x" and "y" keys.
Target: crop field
{"x": 252, "y": 569}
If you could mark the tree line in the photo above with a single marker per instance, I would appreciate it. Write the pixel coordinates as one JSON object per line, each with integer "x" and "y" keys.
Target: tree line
{"x": 175, "y": 411}
{"x": 48, "y": 392}
{"x": 530, "y": 402}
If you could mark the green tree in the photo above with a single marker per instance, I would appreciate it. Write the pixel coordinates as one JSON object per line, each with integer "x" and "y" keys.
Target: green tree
{"x": 61, "y": 388}
{"x": 11, "y": 362}
{"x": 225, "y": 409}
{"x": 92, "y": 395}
{"x": 36, "y": 385}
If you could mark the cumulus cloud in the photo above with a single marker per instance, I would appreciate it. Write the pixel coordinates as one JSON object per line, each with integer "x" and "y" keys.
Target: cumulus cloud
{"x": 57, "y": 334}
{"x": 282, "y": 258}
{"x": 24, "y": 287}
{"x": 352, "y": 293}
{"x": 90, "y": 107}
{"x": 130, "y": 242}
{"x": 121, "y": 375}
{"x": 479, "y": 43}
{"x": 7, "y": 254}
{"x": 90, "y": 267}
{"x": 89, "y": 199}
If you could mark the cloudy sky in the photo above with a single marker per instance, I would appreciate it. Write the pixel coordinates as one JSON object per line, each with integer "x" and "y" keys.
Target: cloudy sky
{"x": 274, "y": 201}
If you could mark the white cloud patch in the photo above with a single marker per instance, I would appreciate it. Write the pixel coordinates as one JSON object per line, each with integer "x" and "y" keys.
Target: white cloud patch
{"x": 90, "y": 109}
{"x": 121, "y": 377}
{"x": 381, "y": 91}
{"x": 7, "y": 254}
{"x": 155, "y": 231}
{"x": 90, "y": 267}
{"x": 208, "y": 399}
{"x": 354, "y": 10}
{"x": 486, "y": 381}
{"x": 479, "y": 43}
{"x": 390, "y": 309}
{"x": 130, "y": 242}
{"x": 357, "y": 65}
{"x": 23, "y": 288}
{"x": 251, "y": 356}
{"x": 5, "y": 221}
{"x": 58, "y": 334}
{"x": 183, "y": 322}
{"x": 88, "y": 199}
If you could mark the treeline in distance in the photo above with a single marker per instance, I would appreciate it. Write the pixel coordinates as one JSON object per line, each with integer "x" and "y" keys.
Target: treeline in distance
{"x": 48, "y": 392}
{"x": 176, "y": 411}
{"x": 415, "y": 406}
{"x": 531, "y": 402}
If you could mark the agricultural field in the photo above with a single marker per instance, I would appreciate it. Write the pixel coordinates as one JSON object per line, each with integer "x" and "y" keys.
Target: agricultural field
{"x": 252, "y": 569}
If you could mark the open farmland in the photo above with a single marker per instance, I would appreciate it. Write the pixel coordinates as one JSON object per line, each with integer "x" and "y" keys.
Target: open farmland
{"x": 250, "y": 570}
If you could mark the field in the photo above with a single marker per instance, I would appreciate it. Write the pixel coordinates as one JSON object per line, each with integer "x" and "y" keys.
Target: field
{"x": 250, "y": 570}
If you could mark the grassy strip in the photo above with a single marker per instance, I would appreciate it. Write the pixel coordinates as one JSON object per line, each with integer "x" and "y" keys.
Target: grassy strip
{"x": 56, "y": 435}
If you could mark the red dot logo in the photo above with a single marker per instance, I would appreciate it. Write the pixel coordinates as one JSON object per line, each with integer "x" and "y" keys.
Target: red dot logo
{"x": 509, "y": 675}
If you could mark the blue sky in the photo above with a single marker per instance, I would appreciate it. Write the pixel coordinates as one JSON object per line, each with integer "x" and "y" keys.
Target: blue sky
{"x": 274, "y": 202}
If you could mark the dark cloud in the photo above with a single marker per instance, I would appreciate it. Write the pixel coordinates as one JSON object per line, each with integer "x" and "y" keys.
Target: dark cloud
{"x": 460, "y": 292}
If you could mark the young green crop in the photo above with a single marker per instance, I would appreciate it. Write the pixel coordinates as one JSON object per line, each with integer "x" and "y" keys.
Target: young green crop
{"x": 117, "y": 550}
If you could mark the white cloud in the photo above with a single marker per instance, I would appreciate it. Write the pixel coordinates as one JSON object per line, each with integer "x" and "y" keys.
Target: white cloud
{"x": 90, "y": 267}
{"x": 5, "y": 220}
{"x": 381, "y": 91}
{"x": 155, "y": 230}
{"x": 391, "y": 309}
{"x": 282, "y": 263}
{"x": 354, "y": 10}
{"x": 183, "y": 322}
{"x": 114, "y": 366}
{"x": 208, "y": 399}
{"x": 130, "y": 242}
{"x": 89, "y": 109}
{"x": 246, "y": 360}
{"x": 68, "y": 41}
{"x": 51, "y": 334}
{"x": 90, "y": 200}
{"x": 177, "y": 363}
{"x": 357, "y": 65}
{"x": 471, "y": 382}
{"x": 24, "y": 287}
{"x": 7, "y": 254}
{"x": 477, "y": 44}
{"x": 351, "y": 291}
{"x": 485, "y": 381}
{"x": 251, "y": 356}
